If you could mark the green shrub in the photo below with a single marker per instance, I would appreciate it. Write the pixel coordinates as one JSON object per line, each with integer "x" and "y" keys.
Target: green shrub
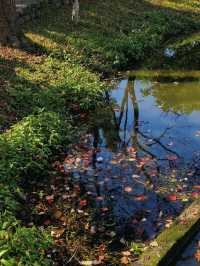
{"x": 20, "y": 245}
{"x": 25, "y": 151}
{"x": 27, "y": 146}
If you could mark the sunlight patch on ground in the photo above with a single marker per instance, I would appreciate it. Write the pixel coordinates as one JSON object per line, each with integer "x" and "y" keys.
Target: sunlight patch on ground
{"x": 184, "y": 5}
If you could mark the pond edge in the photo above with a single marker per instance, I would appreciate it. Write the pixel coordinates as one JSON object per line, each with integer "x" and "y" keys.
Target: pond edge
{"x": 172, "y": 241}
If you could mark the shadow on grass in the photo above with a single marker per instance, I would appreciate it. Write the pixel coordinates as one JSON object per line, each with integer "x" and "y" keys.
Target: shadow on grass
{"x": 115, "y": 35}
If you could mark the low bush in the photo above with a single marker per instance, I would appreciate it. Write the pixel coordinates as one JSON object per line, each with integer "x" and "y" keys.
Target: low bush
{"x": 27, "y": 146}
{"x": 25, "y": 151}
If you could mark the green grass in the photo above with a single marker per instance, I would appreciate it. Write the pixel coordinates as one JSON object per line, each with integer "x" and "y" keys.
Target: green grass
{"x": 173, "y": 240}
{"x": 25, "y": 151}
{"x": 115, "y": 35}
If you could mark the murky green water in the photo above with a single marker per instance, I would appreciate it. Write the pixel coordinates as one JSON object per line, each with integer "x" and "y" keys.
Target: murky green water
{"x": 142, "y": 157}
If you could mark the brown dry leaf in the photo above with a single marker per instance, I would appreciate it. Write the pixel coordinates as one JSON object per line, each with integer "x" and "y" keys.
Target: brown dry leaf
{"x": 114, "y": 162}
{"x": 57, "y": 214}
{"x": 126, "y": 253}
{"x": 128, "y": 189}
{"x": 125, "y": 260}
{"x": 197, "y": 255}
{"x": 57, "y": 232}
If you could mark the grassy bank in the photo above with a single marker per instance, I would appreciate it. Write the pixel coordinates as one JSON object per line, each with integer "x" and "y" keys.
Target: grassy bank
{"x": 115, "y": 35}
{"x": 25, "y": 151}
{"x": 57, "y": 79}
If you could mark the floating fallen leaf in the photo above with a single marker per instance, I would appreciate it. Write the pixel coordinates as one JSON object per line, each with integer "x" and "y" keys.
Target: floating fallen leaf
{"x": 114, "y": 162}
{"x": 172, "y": 197}
{"x": 83, "y": 202}
{"x": 172, "y": 157}
{"x": 135, "y": 176}
{"x": 128, "y": 189}
{"x": 195, "y": 195}
{"x": 197, "y": 187}
{"x": 140, "y": 197}
{"x": 131, "y": 159}
{"x": 100, "y": 198}
{"x": 197, "y": 255}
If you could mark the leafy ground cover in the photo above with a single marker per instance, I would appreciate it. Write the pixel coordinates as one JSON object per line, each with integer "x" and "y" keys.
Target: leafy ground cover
{"x": 52, "y": 82}
{"x": 25, "y": 149}
{"x": 116, "y": 35}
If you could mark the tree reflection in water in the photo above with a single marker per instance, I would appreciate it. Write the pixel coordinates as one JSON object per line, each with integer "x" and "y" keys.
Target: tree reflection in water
{"x": 139, "y": 152}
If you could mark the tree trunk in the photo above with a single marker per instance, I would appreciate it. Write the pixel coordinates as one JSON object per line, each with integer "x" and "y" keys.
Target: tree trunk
{"x": 75, "y": 11}
{"x": 8, "y": 29}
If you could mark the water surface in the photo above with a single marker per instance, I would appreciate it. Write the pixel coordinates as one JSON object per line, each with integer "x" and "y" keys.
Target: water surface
{"x": 142, "y": 156}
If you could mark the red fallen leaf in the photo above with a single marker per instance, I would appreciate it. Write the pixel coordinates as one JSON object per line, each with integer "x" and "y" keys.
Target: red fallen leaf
{"x": 197, "y": 187}
{"x": 100, "y": 198}
{"x": 172, "y": 157}
{"x": 77, "y": 188}
{"x": 47, "y": 222}
{"x": 105, "y": 209}
{"x": 83, "y": 203}
{"x": 101, "y": 249}
{"x": 172, "y": 197}
{"x": 86, "y": 163}
{"x": 50, "y": 199}
{"x": 83, "y": 115}
{"x": 140, "y": 197}
{"x": 179, "y": 189}
{"x": 197, "y": 255}
{"x": 195, "y": 194}
{"x": 69, "y": 160}
{"x": 131, "y": 149}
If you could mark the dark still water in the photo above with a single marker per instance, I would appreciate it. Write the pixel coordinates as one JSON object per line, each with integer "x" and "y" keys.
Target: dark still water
{"x": 142, "y": 159}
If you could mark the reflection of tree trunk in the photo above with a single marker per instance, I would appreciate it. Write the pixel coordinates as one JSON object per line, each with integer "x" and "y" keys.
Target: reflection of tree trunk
{"x": 95, "y": 145}
{"x": 136, "y": 114}
{"x": 129, "y": 91}
{"x": 7, "y": 23}
{"x": 125, "y": 123}
{"x": 94, "y": 157}
{"x": 124, "y": 102}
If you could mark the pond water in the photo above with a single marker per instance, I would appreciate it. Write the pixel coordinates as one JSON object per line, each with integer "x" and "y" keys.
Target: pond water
{"x": 188, "y": 256}
{"x": 142, "y": 158}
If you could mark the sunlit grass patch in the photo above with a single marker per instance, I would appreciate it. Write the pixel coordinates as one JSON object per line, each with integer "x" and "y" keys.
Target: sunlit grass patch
{"x": 184, "y": 5}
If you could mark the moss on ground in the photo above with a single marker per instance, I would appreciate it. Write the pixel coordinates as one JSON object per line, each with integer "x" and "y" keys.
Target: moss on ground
{"x": 172, "y": 240}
